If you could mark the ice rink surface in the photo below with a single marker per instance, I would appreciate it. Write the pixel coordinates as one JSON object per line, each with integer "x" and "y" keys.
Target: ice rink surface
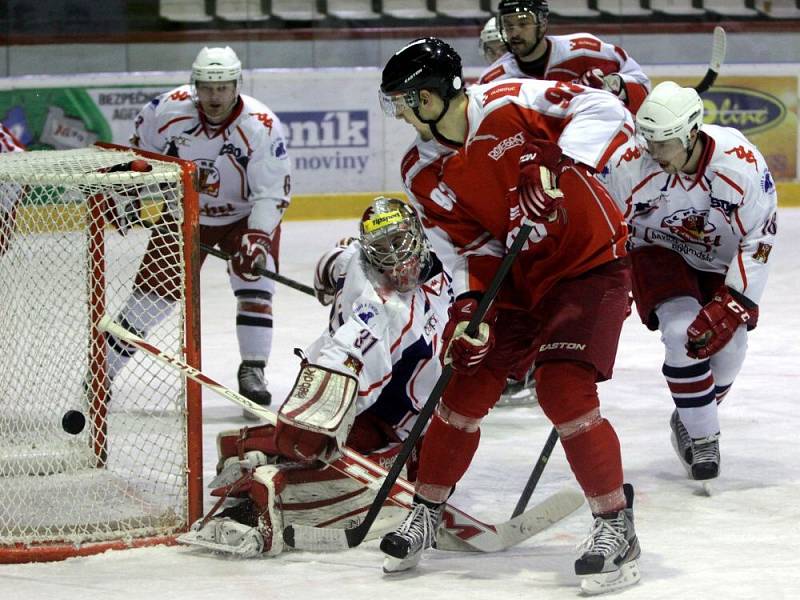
{"x": 742, "y": 543}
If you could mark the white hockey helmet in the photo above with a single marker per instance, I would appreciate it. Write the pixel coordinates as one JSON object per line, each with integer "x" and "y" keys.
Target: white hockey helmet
{"x": 394, "y": 244}
{"x": 670, "y": 111}
{"x": 216, "y": 64}
{"x": 490, "y": 38}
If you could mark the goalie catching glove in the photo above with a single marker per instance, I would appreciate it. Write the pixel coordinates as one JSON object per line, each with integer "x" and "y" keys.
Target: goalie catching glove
{"x": 316, "y": 418}
{"x": 540, "y": 165}
{"x": 465, "y": 352}
{"x": 252, "y": 254}
{"x": 717, "y": 322}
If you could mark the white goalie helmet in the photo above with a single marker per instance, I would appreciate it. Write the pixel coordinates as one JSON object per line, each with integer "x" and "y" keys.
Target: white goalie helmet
{"x": 394, "y": 244}
{"x": 216, "y": 64}
{"x": 670, "y": 111}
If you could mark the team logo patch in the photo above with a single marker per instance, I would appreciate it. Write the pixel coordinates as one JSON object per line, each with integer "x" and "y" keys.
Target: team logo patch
{"x": 279, "y": 149}
{"x": 353, "y": 364}
{"x": 693, "y": 226}
{"x": 366, "y": 311}
{"x": 208, "y": 176}
{"x": 762, "y": 252}
{"x": 767, "y": 184}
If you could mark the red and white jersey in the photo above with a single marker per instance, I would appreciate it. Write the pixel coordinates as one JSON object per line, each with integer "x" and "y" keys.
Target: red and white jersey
{"x": 243, "y": 163}
{"x": 9, "y": 143}
{"x": 570, "y": 56}
{"x": 467, "y": 196}
{"x": 722, "y": 219}
{"x": 390, "y": 340}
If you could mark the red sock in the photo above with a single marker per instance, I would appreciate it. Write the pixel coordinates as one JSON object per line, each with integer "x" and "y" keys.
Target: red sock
{"x": 446, "y": 453}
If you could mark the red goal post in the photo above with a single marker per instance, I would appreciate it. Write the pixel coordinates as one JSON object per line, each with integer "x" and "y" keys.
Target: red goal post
{"x": 133, "y": 476}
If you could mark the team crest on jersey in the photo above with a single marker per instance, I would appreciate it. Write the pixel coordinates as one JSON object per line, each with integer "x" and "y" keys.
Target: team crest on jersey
{"x": 510, "y": 142}
{"x": 767, "y": 184}
{"x": 366, "y": 311}
{"x": 278, "y": 149}
{"x": 762, "y": 252}
{"x": 692, "y": 225}
{"x": 208, "y": 176}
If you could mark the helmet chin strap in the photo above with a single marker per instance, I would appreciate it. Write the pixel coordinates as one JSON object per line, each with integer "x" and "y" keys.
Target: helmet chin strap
{"x": 432, "y": 123}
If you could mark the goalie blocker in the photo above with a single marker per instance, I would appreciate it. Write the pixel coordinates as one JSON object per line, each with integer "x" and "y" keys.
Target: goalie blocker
{"x": 316, "y": 418}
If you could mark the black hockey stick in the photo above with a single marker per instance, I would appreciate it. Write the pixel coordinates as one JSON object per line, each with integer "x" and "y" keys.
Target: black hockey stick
{"x": 717, "y": 58}
{"x": 536, "y": 474}
{"x": 356, "y": 535}
{"x": 263, "y": 272}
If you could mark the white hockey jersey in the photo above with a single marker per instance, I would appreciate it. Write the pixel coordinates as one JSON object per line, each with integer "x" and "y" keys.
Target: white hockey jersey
{"x": 243, "y": 164}
{"x": 722, "y": 219}
{"x": 569, "y": 57}
{"x": 391, "y": 341}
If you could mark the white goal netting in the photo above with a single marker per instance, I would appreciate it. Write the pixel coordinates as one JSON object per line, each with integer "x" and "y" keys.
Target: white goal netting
{"x": 63, "y": 264}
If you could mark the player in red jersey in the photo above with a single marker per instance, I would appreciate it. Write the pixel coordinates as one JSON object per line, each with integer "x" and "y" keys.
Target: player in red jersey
{"x": 486, "y": 158}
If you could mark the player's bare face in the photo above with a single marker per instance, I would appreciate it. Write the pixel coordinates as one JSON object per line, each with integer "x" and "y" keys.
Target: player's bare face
{"x": 407, "y": 114}
{"x": 216, "y": 99}
{"x": 520, "y": 31}
{"x": 493, "y": 50}
{"x": 670, "y": 155}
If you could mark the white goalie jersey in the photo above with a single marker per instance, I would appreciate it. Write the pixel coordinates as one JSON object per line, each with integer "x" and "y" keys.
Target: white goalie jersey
{"x": 243, "y": 164}
{"x": 389, "y": 340}
{"x": 722, "y": 219}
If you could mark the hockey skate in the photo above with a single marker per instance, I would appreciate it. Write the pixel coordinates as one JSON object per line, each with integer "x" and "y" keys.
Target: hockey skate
{"x": 252, "y": 385}
{"x": 700, "y": 457}
{"x": 404, "y": 546}
{"x": 608, "y": 559}
{"x": 519, "y": 393}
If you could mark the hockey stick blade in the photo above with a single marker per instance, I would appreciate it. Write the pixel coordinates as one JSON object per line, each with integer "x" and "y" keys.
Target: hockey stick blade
{"x": 717, "y": 58}
{"x": 300, "y": 287}
{"x": 454, "y": 535}
{"x": 509, "y": 533}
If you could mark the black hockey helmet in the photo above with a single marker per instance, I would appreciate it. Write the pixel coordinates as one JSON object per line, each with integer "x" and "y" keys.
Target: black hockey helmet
{"x": 426, "y": 63}
{"x": 537, "y": 7}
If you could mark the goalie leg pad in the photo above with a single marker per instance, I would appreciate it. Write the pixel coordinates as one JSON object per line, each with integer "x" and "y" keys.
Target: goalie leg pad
{"x": 316, "y": 418}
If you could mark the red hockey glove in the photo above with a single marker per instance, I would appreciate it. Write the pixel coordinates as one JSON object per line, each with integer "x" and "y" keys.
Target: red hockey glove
{"x": 463, "y": 351}
{"x": 717, "y": 321}
{"x": 539, "y": 167}
{"x": 252, "y": 254}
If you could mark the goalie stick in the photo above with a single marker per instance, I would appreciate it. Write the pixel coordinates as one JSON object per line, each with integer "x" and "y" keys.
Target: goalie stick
{"x": 462, "y": 532}
{"x": 715, "y": 64}
{"x": 263, "y": 272}
{"x": 350, "y": 538}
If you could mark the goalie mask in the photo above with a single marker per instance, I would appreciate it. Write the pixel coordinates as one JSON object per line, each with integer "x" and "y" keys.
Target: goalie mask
{"x": 394, "y": 244}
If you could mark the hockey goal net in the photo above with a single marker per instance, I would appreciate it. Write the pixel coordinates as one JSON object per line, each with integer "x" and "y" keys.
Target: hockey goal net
{"x": 132, "y": 475}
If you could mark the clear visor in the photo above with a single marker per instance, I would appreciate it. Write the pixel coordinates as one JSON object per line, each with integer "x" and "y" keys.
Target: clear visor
{"x": 518, "y": 20}
{"x": 393, "y": 105}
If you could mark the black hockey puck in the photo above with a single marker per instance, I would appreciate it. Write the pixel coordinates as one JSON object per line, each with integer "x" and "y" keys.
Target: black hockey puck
{"x": 73, "y": 422}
